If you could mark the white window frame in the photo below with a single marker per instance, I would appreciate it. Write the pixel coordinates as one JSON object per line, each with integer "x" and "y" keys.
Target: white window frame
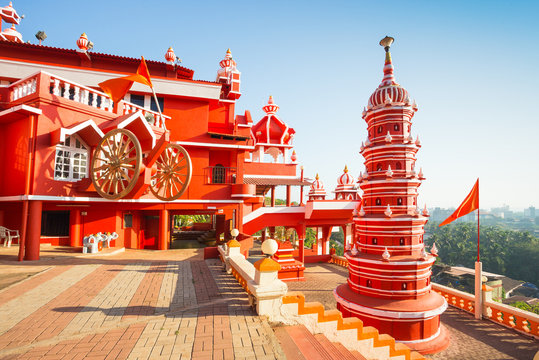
{"x": 72, "y": 151}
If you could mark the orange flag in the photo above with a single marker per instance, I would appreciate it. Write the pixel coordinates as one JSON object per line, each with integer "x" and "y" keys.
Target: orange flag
{"x": 117, "y": 88}
{"x": 469, "y": 204}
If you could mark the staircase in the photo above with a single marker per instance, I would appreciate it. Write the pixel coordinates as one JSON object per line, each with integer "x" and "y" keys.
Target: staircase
{"x": 186, "y": 240}
{"x": 298, "y": 343}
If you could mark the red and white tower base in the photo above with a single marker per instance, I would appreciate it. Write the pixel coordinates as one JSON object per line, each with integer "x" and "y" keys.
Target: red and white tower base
{"x": 388, "y": 284}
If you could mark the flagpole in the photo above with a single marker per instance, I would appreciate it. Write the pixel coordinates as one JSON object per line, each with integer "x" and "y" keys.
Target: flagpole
{"x": 478, "y": 270}
{"x": 158, "y": 108}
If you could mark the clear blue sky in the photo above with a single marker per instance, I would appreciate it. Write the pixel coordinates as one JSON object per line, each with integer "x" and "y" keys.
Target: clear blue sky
{"x": 470, "y": 65}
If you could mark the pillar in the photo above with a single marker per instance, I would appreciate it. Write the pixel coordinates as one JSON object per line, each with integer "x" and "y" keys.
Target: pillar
{"x": 163, "y": 230}
{"x": 300, "y": 230}
{"x": 301, "y": 195}
{"x": 288, "y": 202}
{"x": 34, "y": 230}
{"x": 75, "y": 228}
{"x": 273, "y": 196}
{"x": 478, "y": 289}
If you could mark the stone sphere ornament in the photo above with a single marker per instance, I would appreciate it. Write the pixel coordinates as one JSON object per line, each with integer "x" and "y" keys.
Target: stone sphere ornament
{"x": 269, "y": 247}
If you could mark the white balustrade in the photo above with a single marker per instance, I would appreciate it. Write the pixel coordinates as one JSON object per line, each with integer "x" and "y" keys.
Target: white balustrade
{"x": 23, "y": 88}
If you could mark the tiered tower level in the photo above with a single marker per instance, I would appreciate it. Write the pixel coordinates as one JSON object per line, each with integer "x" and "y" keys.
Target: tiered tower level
{"x": 388, "y": 285}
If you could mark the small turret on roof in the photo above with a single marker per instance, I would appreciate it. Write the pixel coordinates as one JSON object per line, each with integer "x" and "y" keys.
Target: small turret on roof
{"x": 317, "y": 191}
{"x": 170, "y": 56}
{"x": 9, "y": 14}
{"x": 229, "y": 76}
{"x": 11, "y": 34}
{"x": 346, "y": 189}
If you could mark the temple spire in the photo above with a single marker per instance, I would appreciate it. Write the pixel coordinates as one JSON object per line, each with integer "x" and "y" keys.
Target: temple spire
{"x": 389, "y": 78}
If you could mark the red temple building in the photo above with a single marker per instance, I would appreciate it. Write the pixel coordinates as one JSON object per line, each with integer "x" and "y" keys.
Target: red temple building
{"x": 389, "y": 285}
{"x": 75, "y": 163}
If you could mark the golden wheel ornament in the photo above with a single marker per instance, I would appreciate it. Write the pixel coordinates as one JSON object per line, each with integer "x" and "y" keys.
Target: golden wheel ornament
{"x": 173, "y": 173}
{"x": 116, "y": 164}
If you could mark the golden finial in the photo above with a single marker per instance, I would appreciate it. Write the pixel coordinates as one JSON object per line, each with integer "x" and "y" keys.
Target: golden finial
{"x": 228, "y": 51}
{"x": 345, "y": 169}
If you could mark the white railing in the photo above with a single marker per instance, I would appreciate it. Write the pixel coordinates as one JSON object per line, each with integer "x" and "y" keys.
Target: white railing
{"x": 456, "y": 298}
{"x": 158, "y": 121}
{"x": 80, "y": 93}
{"x": 23, "y": 87}
{"x": 512, "y": 317}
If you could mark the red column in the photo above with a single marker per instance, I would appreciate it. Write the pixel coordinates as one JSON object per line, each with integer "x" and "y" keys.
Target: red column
{"x": 75, "y": 237}
{"x": 163, "y": 230}
{"x": 288, "y": 202}
{"x": 273, "y": 196}
{"x": 34, "y": 230}
{"x": 300, "y": 230}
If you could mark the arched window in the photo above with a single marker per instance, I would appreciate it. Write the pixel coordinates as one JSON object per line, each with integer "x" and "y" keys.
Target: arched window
{"x": 218, "y": 174}
{"x": 401, "y": 241}
{"x": 380, "y": 129}
{"x": 374, "y": 241}
{"x": 379, "y": 167}
{"x": 369, "y": 283}
{"x": 364, "y": 202}
{"x": 378, "y": 201}
{"x": 404, "y": 286}
{"x": 396, "y": 127}
{"x": 399, "y": 201}
{"x": 71, "y": 160}
{"x": 398, "y": 166}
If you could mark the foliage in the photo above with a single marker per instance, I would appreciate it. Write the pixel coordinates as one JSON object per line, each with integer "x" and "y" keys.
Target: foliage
{"x": 506, "y": 252}
{"x": 188, "y": 220}
{"x": 525, "y": 306}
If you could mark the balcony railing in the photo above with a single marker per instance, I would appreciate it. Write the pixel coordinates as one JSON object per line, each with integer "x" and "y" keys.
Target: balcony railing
{"x": 69, "y": 90}
{"x": 220, "y": 175}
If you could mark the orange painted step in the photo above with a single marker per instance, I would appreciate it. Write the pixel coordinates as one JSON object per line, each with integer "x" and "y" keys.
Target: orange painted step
{"x": 338, "y": 353}
{"x": 348, "y": 354}
{"x": 309, "y": 346}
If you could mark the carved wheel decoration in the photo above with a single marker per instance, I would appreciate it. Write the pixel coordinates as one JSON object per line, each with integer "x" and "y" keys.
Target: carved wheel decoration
{"x": 116, "y": 164}
{"x": 173, "y": 173}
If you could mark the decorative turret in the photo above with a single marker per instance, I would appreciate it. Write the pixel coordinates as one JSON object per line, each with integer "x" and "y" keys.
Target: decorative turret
{"x": 9, "y": 15}
{"x": 390, "y": 275}
{"x": 293, "y": 157}
{"x": 11, "y": 34}
{"x": 271, "y": 135}
{"x": 317, "y": 191}
{"x": 229, "y": 76}
{"x": 346, "y": 189}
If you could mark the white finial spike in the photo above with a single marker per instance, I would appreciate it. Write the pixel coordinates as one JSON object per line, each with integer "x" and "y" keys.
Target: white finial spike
{"x": 362, "y": 147}
{"x": 425, "y": 211}
{"x": 420, "y": 175}
{"x": 434, "y": 249}
{"x": 354, "y": 250}
{"x": 365, "y": 175}
{"x": 388, "y": 137}
{"x": 359, "y": 177}
{"x": 389, "y": 173}
{"x": 348, "y": 247}
{"x": 367, "y": 142}
{"x": 388, "y": 211}
{"x": 417, "y": 142}
{"x": 386, "y": 255}
{"x": 413, "y": 173}
{"x": 417, "y": 211}
{"x": 362, "y": 212}
{"x": 410, "y": 138}
{"x": 388, "y": 100}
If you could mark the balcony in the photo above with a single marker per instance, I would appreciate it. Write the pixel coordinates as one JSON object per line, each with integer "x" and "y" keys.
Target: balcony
{"x": 46, "y": 85}
{"x": 220, "y": 175}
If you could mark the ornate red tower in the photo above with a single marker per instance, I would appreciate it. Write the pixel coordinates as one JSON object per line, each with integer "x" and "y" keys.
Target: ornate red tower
{"x": 388, "y": 284}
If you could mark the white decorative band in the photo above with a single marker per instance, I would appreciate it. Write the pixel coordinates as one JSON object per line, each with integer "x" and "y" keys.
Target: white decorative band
{"x": 421, "y": 340}
{"x": 390, "y": 314}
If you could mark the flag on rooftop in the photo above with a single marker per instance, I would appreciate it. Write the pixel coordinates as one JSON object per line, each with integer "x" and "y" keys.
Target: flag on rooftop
{"x": 118, "y": 87}
{"x": 470, "y": 203}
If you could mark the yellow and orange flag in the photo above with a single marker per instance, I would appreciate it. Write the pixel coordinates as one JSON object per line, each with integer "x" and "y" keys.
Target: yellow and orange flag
{"x": 469, "y": 204}
{"x": 117, "y": 88}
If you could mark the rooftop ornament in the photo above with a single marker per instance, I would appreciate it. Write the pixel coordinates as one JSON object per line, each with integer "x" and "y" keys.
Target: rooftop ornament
{"x": 82, "y": 43}
{"x": 41, "y": 36}
{"x": 270, "y": 108}
{"x": 434, "y": 250}
{"x": 425, "y": 211}
{"x": 354, "y": 251}
{"x": 424, "y": 254}
{"x": 388, "y": 137}
{"x": 388, "y": 211}
{"x": 170, "y": 57}
{"x": 293, "y": 157}
{"x": 389, "y": 172}
{"x": 417, "y": 142}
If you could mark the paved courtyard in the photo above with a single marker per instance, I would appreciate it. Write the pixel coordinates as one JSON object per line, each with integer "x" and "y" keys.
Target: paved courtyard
{"x": 133, "y": 305}
{"x": 470, "y": 338}
{"x": 172, "y": 305}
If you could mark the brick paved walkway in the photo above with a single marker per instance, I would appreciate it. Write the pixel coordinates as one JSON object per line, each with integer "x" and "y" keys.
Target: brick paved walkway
{"x": 470, "y": 338}
{"x": 134, "y": 305}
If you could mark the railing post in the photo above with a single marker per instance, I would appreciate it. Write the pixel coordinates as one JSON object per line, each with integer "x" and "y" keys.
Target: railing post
{"x": 266, "y": 288}
{"x": 478, "y": 290}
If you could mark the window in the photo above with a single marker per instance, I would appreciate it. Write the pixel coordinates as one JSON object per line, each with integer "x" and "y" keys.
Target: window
{"x": 71, "y": 162}
{"x": 380, "y": 129}
{"x": 55, "y": 223}
{"x": 374, "y": 241}
{"x": 218, "y": 174}
{"x": 128, "y": 221}
{"x": 399, "y": 201}
{"x": 379, "y": 167}
{"x": 396, "y": 127}
{"x": 398, "y": 166}
{"x": 404, "y": 286}
{"x": 401, "y": 241}
{"x": 369, "y": 283}
{"x": 153, "y": 104}
{"x": 378, "y": 201}
{"x": 137, "y": 100}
